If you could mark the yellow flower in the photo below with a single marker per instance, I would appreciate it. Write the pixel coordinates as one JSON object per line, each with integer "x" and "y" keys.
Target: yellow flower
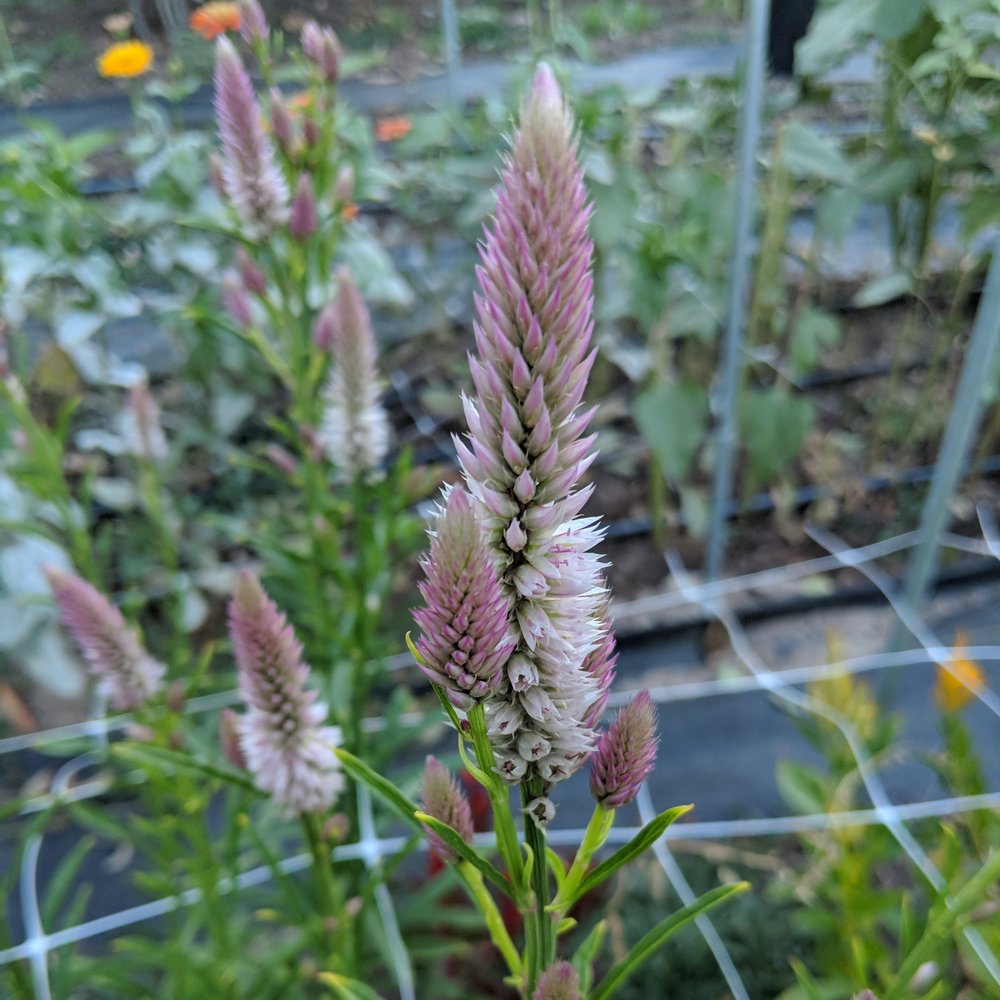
{"x": 957, "y": 686}
{"x": 125, "y": 59}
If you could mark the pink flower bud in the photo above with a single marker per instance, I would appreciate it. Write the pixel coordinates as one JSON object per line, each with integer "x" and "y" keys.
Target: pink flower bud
{"x": 443, "y": 798}
{"x": 236, "y": 300}
{"x": 253, "y": 23}
{"x": 283, "y": 459}
{"x": 282, "y": 126}
{"x": 558, "y": 982}
{"x": 310, "y": 133}
{"x": 253, "y": 278}
{"x": 325, "y": 327}
{"x": 303, "y": 221}
{"x": 127, "y": 675}
{"x": 625, "y": 754}
{"x": 321, "y": 47}
{"x": 466, "y": 635}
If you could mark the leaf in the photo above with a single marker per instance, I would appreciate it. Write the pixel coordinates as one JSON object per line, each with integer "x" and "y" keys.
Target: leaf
{"x": 382, "y": 787}
{"x": 664, "y": 930}
{"x": 800, "y": 787}
{"x": 672, "y": 419}
{"x": 835, "y": 32}
{"x": 464, "y": 850}
{"x": 583, "y": 957}
{"x": 645, "y": 838}
{"x": 808, "y": 155}
{"x": 813, "y": 330}
{"x": 896, "y": 18}
{"x": 774, "y": 425}
{"x": 58, "y": 888}
{"x": 879, "y": 291}
{"x": 347, "y": 989}
{"x": 164, "y": 760}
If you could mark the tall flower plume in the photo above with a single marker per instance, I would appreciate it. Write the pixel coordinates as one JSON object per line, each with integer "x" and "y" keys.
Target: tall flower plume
{"x": 126, "y": 673}
{"x": 625, "y": 754}
{"x": 442, "y": 797}
{"x": 528, "y": 448}
{"x": 287, "y": 748}
{"x": 251, "y": 178}
{"x": 466, "y": 636}
{"x": 354, "y": 431}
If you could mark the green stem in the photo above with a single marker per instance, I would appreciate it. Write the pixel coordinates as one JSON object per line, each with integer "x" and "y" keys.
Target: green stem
{"x": 534, "y": 837}
{"x": 593, "y": 840}
{"x": 329, "y": 890}
{"x": 494, "y": 921}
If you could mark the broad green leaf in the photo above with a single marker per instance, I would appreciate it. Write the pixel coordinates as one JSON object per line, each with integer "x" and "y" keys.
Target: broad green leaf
{"x": 811, "y": 156}
{"x": 644, "y": 839}
{"x": 879, "y": 291}
{"x": 880, "y": 181}
{"x": 382, "y": 787}
{"x": 774, "y": 425}
{"x": 800, "y": 787}
{"x": 835, "y": 32}
{"x": 814, "y": 329}
{"x": 464, "y": 850}
{"x": 664, "y": 930}
{"x": 896, "y": 18}
{"x": 672, "y": 419}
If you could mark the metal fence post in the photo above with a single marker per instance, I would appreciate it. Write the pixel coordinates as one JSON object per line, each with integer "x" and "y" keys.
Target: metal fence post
{"x": 452, "y": 51}
{"x": 755, "y": 57}
{"x": 953, "y": 455}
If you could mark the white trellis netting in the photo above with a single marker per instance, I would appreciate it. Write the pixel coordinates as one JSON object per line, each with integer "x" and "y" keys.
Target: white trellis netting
{"x": 711, "y": 598}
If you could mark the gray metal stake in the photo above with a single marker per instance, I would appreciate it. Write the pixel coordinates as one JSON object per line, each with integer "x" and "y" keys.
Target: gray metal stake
{"x": 953, "y": 455}
{"x": 452, "y": 51}
{"x": 755, "y": 56}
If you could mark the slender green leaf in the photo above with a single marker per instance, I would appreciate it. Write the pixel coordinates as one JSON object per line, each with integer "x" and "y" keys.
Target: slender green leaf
{"x": 647, "y": 836}
{"x": 665, "y": 929}
{"x": 348, "y": 989}
{"x": 382, "y": 787}
{"x": 465, "y": 851}
{"x": 583, "y": 957}
{"x": 164, "y": 760}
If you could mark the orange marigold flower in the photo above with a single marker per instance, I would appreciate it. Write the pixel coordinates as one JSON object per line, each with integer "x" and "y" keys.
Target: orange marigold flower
{"x": 125, "y": 59}
{"x": 211, "y": 19}
{"x": 957, "y": 686}
{"x": 349, "y": 212}
{"x": 390, "y": 129}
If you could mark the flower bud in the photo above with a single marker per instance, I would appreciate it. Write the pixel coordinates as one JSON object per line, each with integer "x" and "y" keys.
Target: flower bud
{"x": 558, "y": 982}
{"x": 343, "y": 186}
{"x": 321, "y": 47}
{"x": 625, "y": 754}
{"x": 282, "y": 126}
{"x": 253, "y": 23}
{"x": 236, "y": 300}
{"x": 229, "y": 738}
{"x": 253, "y": 278}
{"x": 303, "y": 222}
{"x": 443, "y": 798}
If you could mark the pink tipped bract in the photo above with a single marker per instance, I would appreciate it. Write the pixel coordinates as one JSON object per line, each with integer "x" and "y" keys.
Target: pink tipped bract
{"x": 287, "y": 748}
{"x": 625, "y": 754}
{"x": 443, "y": 798}
{"x": 127, "y": 675}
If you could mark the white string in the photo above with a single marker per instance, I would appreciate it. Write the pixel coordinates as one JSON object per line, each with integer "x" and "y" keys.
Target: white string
{"x": 647, "y": 813}
{"x": 772, "y": 682}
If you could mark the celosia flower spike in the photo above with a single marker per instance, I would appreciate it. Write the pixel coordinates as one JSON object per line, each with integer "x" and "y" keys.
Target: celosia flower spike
{"x": 251, "y": 178}
{"x": 625, "y": 754}
{"x": 287, "y": 748}
{"x": 354, "y": 431}
{"x": 253, "y": 23}
{"x": 321, "y": 47}
{"x": 466, "y": 636}
{"x": 303, "y": 221}
{"x": 443, "y": 798}
{"x": 127, "y": 675}
{"x": 527, "y": 446}
{"x": 558, "y": 982}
